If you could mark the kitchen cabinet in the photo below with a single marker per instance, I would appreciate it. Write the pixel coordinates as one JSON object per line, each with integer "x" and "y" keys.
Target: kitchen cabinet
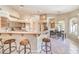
{"x": 43, "y": 26}
{"x": 3, "y": 22}
{"x": 43, "y": 22}
{"x": 43, "y": 17}
{"x": 52, "y": 23}
{"x": 15, "y": 26}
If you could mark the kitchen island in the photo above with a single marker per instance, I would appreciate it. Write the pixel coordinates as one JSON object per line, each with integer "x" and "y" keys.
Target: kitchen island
{"x": 20, "y": 32}
{"x": 31, "y": 36}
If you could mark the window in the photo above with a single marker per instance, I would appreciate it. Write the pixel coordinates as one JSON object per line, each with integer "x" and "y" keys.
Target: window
{"x": 73, "y": 26}
{"x": 61, "y": 25}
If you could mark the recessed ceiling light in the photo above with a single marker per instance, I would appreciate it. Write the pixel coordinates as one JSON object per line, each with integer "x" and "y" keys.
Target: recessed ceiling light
{"x": 21, "y": 6}
{"x": 58, "y": 12}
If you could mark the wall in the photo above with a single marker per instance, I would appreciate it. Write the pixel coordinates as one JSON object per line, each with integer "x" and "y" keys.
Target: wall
{"x": 68, "y": 16}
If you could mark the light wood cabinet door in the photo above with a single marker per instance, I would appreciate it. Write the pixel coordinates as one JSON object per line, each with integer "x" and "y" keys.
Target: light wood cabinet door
{"x": 3, "y": 22}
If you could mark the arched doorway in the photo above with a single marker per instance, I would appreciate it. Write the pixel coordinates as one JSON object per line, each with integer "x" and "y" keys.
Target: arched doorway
{"x": 73, "y": 25}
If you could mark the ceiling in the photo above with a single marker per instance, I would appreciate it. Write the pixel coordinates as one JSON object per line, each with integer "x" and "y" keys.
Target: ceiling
{"x": 44, "y": 9}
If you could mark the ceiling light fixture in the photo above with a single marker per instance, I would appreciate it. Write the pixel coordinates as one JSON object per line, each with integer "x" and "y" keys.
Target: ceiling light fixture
{"x": 21, "y": 6}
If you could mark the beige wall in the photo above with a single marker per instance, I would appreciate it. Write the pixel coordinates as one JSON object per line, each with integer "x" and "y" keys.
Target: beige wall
{"x": 68, "y": 16}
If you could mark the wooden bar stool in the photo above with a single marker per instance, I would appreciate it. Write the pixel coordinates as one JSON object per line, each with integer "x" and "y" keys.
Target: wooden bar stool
{"x": 26, "y": 45}
{"x": 45, "y": 47}
{"x": 9, "y": 42}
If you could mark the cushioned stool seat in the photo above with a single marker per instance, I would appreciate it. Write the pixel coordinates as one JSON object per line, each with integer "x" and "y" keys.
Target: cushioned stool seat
{"x": 45, "y": 47}
{"x": 9, "y": 42}
{"x": 25, "y": 43}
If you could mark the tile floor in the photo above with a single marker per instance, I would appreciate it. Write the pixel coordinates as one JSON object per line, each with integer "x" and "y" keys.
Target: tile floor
{"x": 64, "y": 47}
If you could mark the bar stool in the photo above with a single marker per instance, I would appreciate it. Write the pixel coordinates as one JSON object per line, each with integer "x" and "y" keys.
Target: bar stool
{"x": 45, "y": 47}
{"x": 1, "y": 44}
{"x": 26, "y": 45}
{"x": 9, "y": 42}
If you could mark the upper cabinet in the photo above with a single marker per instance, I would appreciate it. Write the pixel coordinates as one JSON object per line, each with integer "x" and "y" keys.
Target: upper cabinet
{"x": 52, "y": 23}
{"x": 43, "y": 22}
{"x": 17, "y": 26}
{"x": 43, "y": 17}
{"x": 3, "y": 22}
{"x": 7, "y": 25}
{"x": 47, "y": 22}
